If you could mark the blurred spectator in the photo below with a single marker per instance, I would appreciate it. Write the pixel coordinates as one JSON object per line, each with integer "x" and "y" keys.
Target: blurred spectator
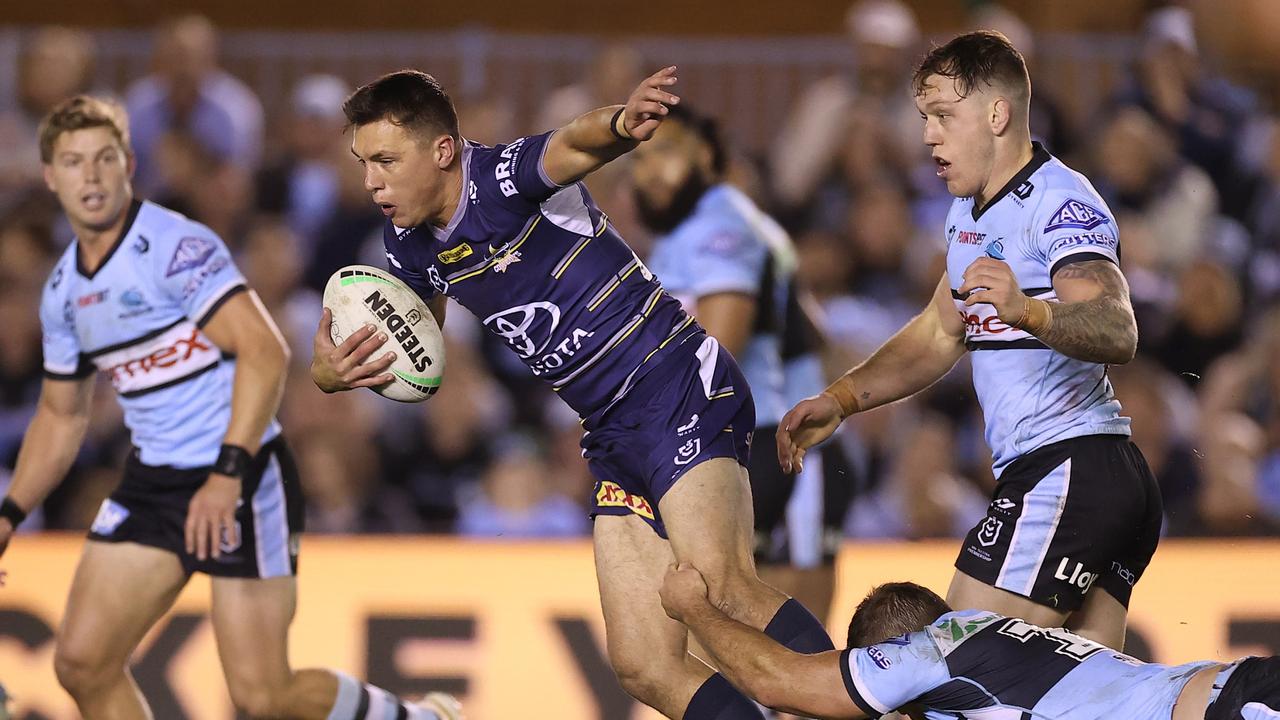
{"x": 516, "y": 499}
{"x": 55, "y": 63}
{"x": 1140, "y": 173}
{"x": 846, "y": 131}
{"x": 351, "y": 231}
{"x": 1204, "y": 112}
{"x": 269, "y": 259}
{"x": 1207, "y": 322}
{"x": 302, "y": 184}
{"x": 189, "y": 94}
{"x": 1240, "y": 431}
{"x": 1262, "y": 214}
{"x": 612, "y": 75}
{"x": 21, "y": 366}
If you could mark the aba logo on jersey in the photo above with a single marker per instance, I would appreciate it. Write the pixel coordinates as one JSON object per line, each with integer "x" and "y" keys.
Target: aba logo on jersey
{"x": 192, "y": 252}
{"x": 1076, "y": 214}
{"x": 526, "y": 328}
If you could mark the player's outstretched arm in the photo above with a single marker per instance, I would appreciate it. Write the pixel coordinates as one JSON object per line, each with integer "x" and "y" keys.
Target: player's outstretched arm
{"x": 1092, "y": 320}
{"x": 809, "y": 685}
{"x": 916, "y": 357}
{"x": 240, "y": 327}
{"x": 50, "y": 446}
{"x": 597, "y": 137}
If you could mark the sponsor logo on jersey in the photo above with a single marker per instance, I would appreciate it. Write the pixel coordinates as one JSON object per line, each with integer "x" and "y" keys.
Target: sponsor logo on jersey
{"x": 169, "y": 356}
{"x": 1124, "y": 573}
{"x": 1091, "y": 239}
{"x": 502, "y": 171}
{"x": 93, "y": 298}
{"x": 1076, "y": 214}
{"x": 56, "y": 280}
{"x": 970, "y": 237}
{"x": 192, "y": 252}
{"x": 878, "y": 657}
{"x": 196, "y": 281}
{"x": 976, "y": 326}
{"x": 1024, "y": 190}
{"x": 68, "y": 313}
{"x": 1004, "y": 505}
{"x": 610, "y": 494}
{"x": 449, "y": 257}
{"x": 689, "y": 426}
{"x": 141, "y": 245}
{"x": 134, "y": 303}
{"x": 989, "y": 531}
{"x": 472, "y": 193}
{"x": 1075, "y": 575}
{"x": 526, "y": 328}
{"x": 399, "y": 327}
{"x": 995, "y": 249}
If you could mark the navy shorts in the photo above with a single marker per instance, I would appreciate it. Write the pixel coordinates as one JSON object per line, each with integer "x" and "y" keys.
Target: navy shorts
{"x": 150, "y": 508}
{"x": 693, "y": 407}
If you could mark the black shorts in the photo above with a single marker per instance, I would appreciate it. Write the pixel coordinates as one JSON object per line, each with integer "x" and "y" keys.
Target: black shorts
{"x": 150, "y": 508}
{"x": 1252, "y": 692}
{"x": 799, "y": 520}
{"x": 1065, "y": 517}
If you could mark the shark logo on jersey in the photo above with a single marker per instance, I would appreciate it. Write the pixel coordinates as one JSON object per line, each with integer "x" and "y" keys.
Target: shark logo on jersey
{"x": 192, "y": 252}
{"x": 995, "y": 249}
{"x": 134, "y": 303}
{"x": 1076, "y": 214}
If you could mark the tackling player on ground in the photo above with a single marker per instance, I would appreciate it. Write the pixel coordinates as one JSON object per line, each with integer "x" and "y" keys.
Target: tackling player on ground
{"x": 909, "y": 651}
{"x": 510, "y": 233}
{"x": 155, "y": 302}
{"x": 1033, "y": 291}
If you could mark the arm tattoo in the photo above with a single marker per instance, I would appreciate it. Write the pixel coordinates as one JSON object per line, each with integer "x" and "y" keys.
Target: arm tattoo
{"x": 1100, "y": 330}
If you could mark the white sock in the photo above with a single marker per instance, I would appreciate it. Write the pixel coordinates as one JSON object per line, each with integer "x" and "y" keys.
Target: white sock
{"x": 378, "y": 704}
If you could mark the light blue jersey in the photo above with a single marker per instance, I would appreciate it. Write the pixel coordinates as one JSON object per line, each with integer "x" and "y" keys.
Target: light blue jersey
{"x": 138, "y": 320}
{"x": 1048, "y": 216}
{"x": 727, "y": 244}
{"x": 975, "y": 665}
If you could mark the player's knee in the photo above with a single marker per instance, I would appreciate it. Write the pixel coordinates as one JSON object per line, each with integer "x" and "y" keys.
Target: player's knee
{"x": 733, "y": 587}
{"x": 82, "y": 670}
{"x": 257, "y": 700}
{"x": 640, "y": 676}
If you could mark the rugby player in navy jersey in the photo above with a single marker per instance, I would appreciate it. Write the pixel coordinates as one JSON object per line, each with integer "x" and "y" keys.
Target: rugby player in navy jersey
{"x": 511, "y": 234}
{"x": 909, "y": 651}
{"x": 1034, "y": 293}
{"x": 154, "y": 302}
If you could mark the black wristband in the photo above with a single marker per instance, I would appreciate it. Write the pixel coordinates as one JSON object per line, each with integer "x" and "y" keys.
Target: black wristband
{"x": 233, "y": 461}
{"x": 613, "y": 126}
{"x": 11, "y": 511}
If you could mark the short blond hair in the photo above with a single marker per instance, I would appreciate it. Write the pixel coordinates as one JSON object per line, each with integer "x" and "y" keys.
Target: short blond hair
{"x": 81, "y": 112}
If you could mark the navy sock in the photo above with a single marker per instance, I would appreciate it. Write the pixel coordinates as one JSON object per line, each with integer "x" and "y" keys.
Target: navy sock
{"x": 718, "y": 700}
{"x": 797, "y": 629}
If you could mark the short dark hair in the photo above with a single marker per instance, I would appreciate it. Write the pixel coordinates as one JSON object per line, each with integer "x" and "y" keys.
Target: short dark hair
{"x": 707, "y": 129}
{"x": 894, "y": 609}
{"x": 975, "y": 59}
{"x": 79, "y": 113}
{"x": 408, "y": 98}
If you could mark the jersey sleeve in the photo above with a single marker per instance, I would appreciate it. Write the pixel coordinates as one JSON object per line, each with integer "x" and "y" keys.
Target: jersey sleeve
{"x": 727, "y": 259}
{"x": 63, "y": 359}
{"x": 514, "y": 173}
{"x": 884, "y": 677}
{"x": 1077, "y": 227}
{"x": 197, "y": 271}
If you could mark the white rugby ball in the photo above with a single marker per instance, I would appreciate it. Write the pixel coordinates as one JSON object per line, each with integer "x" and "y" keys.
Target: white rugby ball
{"x": 358, "y": 295}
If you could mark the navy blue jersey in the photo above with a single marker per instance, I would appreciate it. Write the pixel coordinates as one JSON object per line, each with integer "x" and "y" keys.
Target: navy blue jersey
{"x": 543, "y": 269}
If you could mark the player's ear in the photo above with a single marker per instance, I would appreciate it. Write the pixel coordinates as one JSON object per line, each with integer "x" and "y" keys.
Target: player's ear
{"x": 47, "y": 168}
{"x": 1000, "y": 115}
{"x": 445, "y": 150}
{"x": 131, "y": 164}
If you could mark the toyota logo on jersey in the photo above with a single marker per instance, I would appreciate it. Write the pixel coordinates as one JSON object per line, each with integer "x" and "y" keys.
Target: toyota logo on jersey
{"x": 528, "y": 329}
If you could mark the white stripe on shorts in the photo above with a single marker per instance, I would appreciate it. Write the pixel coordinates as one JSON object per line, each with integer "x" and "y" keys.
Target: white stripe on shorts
{"x": 1041, "y": 511}
{"x": 271, "y": 522}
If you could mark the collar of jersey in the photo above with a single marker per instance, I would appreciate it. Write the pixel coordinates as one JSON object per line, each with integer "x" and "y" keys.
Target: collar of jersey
{"x": 1039, "y": 156}
{"x": 134, "y": 207}
{"x": 464, "y": 198}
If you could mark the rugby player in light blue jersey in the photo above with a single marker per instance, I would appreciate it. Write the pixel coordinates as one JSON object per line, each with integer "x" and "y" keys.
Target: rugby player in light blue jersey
{"x": 909, "y": 652}
{"x": 733, "y": 267}
{"x": 1033, "y": 291}
{"x": 511, "y": 234}
{"x": 154, "y": 302}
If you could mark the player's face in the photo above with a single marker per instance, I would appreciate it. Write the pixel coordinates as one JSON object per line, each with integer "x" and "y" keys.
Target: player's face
{"x": 404, "y": 172}
{"x": 668, "y": 172}
{"x": 90, "y": 174}
{"x": 958, "y": 132}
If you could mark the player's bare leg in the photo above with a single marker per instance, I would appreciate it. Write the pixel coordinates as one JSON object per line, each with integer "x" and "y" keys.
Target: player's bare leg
{"x": 709, "y": 520}
{"x": 120, "y": 590}
{"x": 968, "y": 593}
{"x": 814, "y": 587}
{"x": 251, "y": 620}
{"x": 1102, "y": 619}
{"x": 647, "y": 649}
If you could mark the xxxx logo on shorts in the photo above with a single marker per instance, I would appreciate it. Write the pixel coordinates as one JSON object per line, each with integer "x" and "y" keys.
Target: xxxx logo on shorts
{"x": 610, "y": 494}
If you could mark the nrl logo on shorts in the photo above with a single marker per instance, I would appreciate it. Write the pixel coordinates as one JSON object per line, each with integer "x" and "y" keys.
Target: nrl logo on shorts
{"x": 989, "y": 532}
{"x": 688, "y": 451}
